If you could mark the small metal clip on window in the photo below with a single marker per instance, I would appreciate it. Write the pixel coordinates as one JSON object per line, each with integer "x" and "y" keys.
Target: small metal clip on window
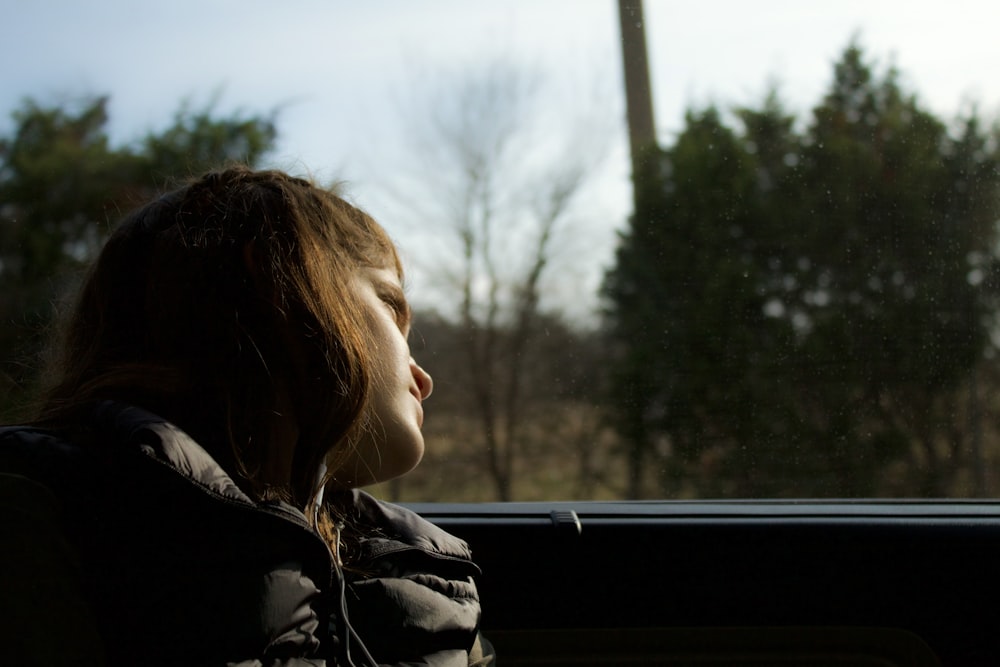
{"x": 566, "y": 522}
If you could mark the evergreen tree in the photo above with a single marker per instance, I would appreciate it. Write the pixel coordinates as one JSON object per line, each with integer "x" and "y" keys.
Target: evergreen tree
{"x": 62, "y": 186}
{"x": 794, "y": 311}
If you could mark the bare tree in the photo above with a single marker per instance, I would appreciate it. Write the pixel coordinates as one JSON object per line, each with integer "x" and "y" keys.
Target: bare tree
{"x": 494, "y": 192}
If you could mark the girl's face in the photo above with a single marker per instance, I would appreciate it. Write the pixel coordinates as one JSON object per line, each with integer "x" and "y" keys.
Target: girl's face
{"x": 393, "y": 444}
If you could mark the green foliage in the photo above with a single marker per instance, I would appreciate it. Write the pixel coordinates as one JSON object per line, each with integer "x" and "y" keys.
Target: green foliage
{"x": 62, "y": 184}
{"x": 795, "y": 312}
{"x": 198, "y": 140}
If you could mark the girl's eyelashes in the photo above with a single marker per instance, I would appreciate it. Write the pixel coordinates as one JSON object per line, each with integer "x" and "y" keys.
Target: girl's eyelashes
{"x": 393, "y": 305}
{"x": 397, "y": 303}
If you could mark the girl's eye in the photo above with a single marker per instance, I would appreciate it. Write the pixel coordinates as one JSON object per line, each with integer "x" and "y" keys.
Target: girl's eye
{"x": 398, "y": 307}
{"x": 391, "y": 302}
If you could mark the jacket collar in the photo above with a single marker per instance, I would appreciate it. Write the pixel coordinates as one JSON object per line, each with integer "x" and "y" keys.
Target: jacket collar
{"x": 167, "y": 444}
{"x": 154, "y": 436}
{"x": 398, "y": 529}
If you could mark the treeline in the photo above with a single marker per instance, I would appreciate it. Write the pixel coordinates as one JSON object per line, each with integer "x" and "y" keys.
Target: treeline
{"x": 797, "y": 307}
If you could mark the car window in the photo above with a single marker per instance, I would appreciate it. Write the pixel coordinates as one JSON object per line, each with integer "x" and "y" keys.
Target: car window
{"x": 797, "y": 298}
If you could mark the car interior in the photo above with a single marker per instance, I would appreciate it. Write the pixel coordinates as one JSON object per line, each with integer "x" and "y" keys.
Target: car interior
{"x": 735, "y": 583}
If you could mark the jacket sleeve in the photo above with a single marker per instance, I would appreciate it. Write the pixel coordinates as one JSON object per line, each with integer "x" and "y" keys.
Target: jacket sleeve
{"x": 46, "y": 618}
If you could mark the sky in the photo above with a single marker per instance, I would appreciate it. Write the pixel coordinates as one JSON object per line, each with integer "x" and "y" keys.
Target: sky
{"x": 342, "y": 75}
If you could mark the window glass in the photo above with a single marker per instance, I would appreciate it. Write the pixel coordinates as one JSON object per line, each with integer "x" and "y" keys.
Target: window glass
{"x": 798, "y": 298}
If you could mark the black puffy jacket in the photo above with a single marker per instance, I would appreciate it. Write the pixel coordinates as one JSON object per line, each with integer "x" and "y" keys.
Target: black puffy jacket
{"x": 140, "y": 549}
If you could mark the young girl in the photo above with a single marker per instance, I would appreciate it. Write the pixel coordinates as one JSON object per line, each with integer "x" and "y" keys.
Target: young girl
{"x": 235, "y": 367}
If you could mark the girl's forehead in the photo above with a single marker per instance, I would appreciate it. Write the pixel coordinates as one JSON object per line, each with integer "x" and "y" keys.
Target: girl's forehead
{"x": 381, "y": 256}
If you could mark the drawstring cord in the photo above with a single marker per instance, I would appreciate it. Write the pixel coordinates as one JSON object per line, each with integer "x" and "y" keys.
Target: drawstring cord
{"x": 345, "y": 631}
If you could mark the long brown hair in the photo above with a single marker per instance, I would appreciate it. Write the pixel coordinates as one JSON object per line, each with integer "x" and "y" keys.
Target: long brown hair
{"x": 189, "y": 309}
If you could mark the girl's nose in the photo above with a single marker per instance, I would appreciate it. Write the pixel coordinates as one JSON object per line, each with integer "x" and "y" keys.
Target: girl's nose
{"x": 425, "y": 384}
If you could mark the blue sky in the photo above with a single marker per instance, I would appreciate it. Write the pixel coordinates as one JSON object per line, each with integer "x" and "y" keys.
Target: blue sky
{"x": 341, "y": 71}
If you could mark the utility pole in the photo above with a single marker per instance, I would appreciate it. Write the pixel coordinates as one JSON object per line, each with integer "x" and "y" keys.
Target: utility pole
{"x": 641, "y": 136}
{"x": 638, "y": 97}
